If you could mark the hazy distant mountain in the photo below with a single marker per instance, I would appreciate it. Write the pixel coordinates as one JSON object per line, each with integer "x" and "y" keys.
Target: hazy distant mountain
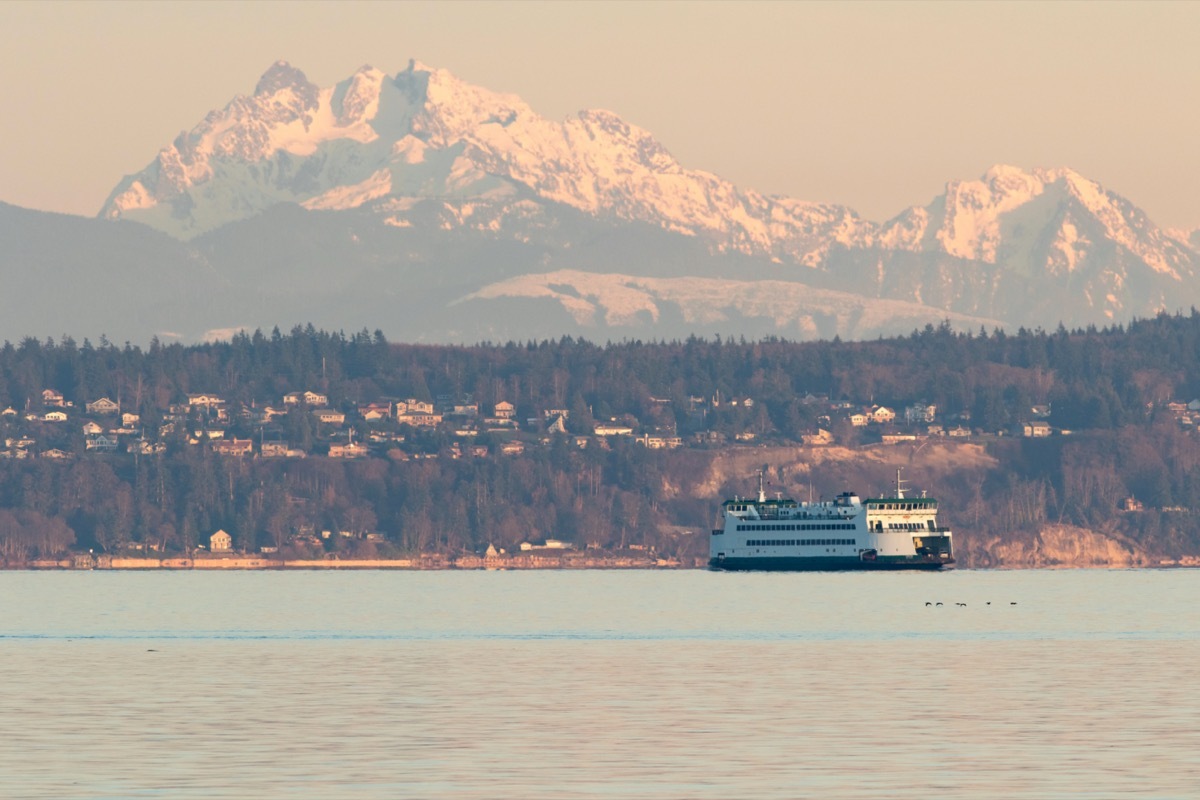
{"x": 439, "y": 210}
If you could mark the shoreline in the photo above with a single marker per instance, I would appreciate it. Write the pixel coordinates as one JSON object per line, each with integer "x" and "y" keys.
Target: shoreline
{"x": 417, "y": 563}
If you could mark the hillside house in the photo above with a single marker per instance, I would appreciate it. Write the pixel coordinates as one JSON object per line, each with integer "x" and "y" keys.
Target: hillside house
{"x": 54, "y": 416}
{"x": 375, "y": 411}
{"x": 52, "y": 398}
{"x": 101, "y": 444}
{"x": 348, "y": 450}
{"x": 1036, "y": 429}
{"x": 205, "y": 401}
{"x": 146, "y": 448}
{"x": 659, "y": 442}
{"x": 613, "y": 430}
{"x": 102, "y": 407}
{"x": 419, "y": 419}
{"x": 92, "y": 429}
{"x": 220, "y": 542}
{"x": 414, "y": 406}
{"x": 329, "y": 416}
{"x": 233, "y": 447}
{"x": 919, "y": 412}
{"x": 310, "y": 399}
{"x": 882, "y": 415}
{"x": 504, "y": 410}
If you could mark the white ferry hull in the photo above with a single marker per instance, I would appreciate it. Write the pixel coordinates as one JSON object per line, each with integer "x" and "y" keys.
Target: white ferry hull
{"x": 846, "y": 533}
{"x": 825, "y": 563}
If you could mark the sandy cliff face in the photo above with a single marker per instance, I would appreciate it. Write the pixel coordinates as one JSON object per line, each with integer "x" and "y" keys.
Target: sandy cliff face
{"x": 1052, "y": 546}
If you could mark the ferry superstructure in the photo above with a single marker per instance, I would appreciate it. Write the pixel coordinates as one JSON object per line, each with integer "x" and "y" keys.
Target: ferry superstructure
{"x": 846, "y": 533}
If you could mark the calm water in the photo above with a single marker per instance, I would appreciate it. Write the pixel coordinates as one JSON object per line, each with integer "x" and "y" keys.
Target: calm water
{"x": 599, "y": 684}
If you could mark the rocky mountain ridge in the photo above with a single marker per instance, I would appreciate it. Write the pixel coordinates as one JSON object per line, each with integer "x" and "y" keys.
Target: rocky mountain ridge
{"x": 425, "y": 153}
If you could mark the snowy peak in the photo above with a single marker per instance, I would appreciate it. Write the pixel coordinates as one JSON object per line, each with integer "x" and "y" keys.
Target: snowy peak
{"x": 356, "y": 100}
{"x": 1054, "y": 215}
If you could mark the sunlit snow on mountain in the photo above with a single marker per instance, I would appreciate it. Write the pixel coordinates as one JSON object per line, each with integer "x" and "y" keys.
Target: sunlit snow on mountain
{"x": 421, "y": 171}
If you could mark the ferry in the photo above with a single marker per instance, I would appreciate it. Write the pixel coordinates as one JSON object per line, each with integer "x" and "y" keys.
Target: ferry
{"x": 846, "y": 533}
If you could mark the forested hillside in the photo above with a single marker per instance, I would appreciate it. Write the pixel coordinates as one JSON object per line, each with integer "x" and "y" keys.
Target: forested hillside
{"x": 627, "y": 445}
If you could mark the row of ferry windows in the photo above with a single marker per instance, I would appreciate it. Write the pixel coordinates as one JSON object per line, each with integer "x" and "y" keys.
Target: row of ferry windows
{"x": 820, "y": 526}
{"x": 794, "y": 542}
{"x": 901, "y": 506}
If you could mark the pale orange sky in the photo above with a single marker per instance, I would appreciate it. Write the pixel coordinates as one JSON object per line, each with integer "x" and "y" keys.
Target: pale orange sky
{"x": 873, "y": 105}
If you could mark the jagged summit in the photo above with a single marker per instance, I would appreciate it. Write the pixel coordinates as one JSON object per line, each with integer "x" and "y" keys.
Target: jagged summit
{"x": 425, "y": 133}
{"x": 280, "y": 76}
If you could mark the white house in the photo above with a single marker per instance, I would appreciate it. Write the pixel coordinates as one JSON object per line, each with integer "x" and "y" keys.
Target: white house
{"x": 220, "y": 542}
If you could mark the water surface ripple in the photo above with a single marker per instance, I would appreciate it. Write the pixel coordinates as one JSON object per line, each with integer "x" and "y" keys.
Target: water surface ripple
{"x": 600, "y": 684}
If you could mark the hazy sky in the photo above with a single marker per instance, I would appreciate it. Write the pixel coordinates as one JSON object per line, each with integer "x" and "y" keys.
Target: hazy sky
{"x": 872, "y": 105}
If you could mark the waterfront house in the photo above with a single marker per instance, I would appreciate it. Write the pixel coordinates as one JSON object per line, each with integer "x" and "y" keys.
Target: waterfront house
{"x": 220, "y": 542}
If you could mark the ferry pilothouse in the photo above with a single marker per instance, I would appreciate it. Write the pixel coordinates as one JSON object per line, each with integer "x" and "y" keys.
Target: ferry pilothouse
{"x": 895, "y": 532}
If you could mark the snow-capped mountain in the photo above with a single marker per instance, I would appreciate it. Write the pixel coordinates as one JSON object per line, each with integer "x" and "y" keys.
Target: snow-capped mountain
{"x": 426, "y": 134}
{"x": 430, "y": 155}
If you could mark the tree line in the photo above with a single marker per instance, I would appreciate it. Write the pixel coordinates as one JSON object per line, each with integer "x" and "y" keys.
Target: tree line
{"x": 1110, "y": 387}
